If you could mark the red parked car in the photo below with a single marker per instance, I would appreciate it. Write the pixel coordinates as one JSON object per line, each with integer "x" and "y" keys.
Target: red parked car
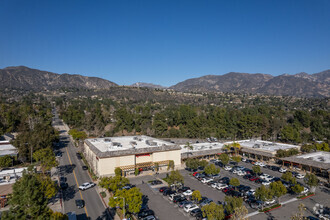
{"x": 254, "y": 178}
{"x": 227, "y": 189}
{"x": 194, "y": 174}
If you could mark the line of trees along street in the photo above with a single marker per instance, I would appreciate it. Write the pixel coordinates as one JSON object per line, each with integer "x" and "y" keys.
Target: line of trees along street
{"x": 193, "y": 121}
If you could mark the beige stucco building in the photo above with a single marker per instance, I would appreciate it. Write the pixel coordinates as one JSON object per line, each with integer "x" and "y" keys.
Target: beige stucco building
{"x": 129, "y": 153}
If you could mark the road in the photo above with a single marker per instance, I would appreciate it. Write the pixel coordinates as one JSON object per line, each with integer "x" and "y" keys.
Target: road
{"x": 71, "y": 168}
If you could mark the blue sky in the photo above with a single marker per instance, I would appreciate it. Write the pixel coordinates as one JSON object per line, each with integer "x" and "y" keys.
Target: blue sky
{"x": 165, "y": 42}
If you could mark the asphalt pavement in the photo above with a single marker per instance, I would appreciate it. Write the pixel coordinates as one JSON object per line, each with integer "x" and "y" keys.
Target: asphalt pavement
{"x": 71, "y": 168}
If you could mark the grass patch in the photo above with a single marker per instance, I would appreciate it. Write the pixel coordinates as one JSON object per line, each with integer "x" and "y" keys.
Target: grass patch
{"x": 270, "y": 208}
{"x": 306, "y": 195}
{"x": 103, "y": 194}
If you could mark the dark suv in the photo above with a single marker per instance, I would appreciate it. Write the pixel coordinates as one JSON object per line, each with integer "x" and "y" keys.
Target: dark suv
{"x": 145, "y": 213}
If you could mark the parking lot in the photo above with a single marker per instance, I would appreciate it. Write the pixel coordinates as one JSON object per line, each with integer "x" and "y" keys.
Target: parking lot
{"x": 166, "y": 209}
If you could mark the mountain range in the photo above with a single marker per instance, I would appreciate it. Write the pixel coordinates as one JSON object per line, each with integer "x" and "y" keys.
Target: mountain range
{"x": 301, "y": 84}
{"x": 22, "y": 77}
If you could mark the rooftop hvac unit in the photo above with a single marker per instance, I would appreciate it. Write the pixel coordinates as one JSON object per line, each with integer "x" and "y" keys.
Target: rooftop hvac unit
{"x": 321, "y": 159}
{"x": 256, "y": 146}
{"x": 133, "y": 143}
{"x": 117, "y": 144}
{"x": 135, "y": 138}
{"x": 107, "y": 140}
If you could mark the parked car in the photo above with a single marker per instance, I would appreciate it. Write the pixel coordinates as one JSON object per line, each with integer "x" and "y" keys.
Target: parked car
{"x": 275, "y": 168}
{"x": 254, "y": 178}
{"x": 206, "y": 202}
{"x": 228, "y": 168}
{"x": 221, "y": 186}
{"x": 145, "y": 213}
{"x": 282, "y": 170}
{"x": 266, "y": 183}
{"x": 243, "y": 159}
{"x": 300, "y": 176}
{"x": 256, "y": 205}
{"x": 178, "y": 199}
{"x": 150, "y": 217}
{"x": 163, "y": 188}
{"x": 156, "y": 182}
{"x": 80, "y": 203}
{"x": 270, "y": 202}
{"x": 191, "y": 207}
{"x": 86, "y": 185}
{"x": 84, "y": 167}
{"x": 195, "y": 212}
{"x": 188, "y": 192}
{"x": 305, "y": 191}
{"x": 184, "y": 203}
{"x": 247, "y": 176}
{"x": 183, "y": 189}
{"x": 206, "y": 180}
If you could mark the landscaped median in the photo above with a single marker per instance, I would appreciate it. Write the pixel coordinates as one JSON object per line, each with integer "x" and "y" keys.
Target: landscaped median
{"x": 306, "y": 196}
{"x": 271, "y": 208}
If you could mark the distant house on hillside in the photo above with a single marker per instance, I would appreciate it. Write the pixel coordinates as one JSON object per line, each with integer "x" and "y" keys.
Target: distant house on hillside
{"x": 7, "y": 137}
{"x": 7, "y": 149}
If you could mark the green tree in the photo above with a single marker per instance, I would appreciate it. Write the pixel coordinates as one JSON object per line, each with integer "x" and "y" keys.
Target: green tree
{"x": 232, "y": 203}
{"x": 297, "y": 188}
{"x": 77, "y": 135}
{"x": 277, "y": 189}
{"x": 263, "y": 193}
{"x": 192, "y": 163}
{"x": 47, "y": 186}
{"x": 224, "y": 158}
{"x": 113, "y": 183}
{"x": 213, "y": 211}
{"x": 175, "y": 177}
{"x": 256, "y": 169}
{"x": 133, "y": 199}
{"x": 289, "y": 177}
{"x": 211, "y": 169}
{"x": 46, "y": 158}
{"x": 5, "y": 161}
{"x": 28, "y": 201}
{"x": 170, "y": 165}
{"x": 311, "y": 180}
{"x": 203, "y": 163}
{"x": 196, "y": 195}
{"x": 118, "y": 172}
{"x": 234, "y": 182}
{"x": 237, "y": 159}
{"x": 240, "y": 213}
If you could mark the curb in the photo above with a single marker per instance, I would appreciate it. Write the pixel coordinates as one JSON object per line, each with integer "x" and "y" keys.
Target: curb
{"x": 307, "y": 196}
{"x": 272, "y": 209}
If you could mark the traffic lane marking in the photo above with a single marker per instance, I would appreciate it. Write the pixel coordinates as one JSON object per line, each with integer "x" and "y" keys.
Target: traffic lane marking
{"x": 75, "y": 177}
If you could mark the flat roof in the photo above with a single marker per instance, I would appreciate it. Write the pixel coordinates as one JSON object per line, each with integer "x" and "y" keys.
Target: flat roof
{"x": 127, "y": 145}
{"x": 264, "y": 145}
{"x": 320, "y": 159}
{"x": 7, "y": 149}
{"x": 201, "y": 149}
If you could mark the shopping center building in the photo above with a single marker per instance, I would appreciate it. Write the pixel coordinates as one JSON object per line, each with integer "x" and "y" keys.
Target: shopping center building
{"x": 104, "y": 155}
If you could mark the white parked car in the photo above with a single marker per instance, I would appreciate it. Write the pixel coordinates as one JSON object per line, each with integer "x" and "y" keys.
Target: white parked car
{"x": 300, "y": 176}
{"x": 269, "y": 178}
{"x": 243, "y": 159}
{"x": 189, "y": 208}
{"x": 206, "y": 180}
{"x": 85, "y": 186}
{"x": 222, "y": 186}
{"x": 214, "y": 185}
{"x": 188, "y": 192}
{"x": 282, "y": 170}
{"x": 264, "y": 176}
{"x": 269, "y": 202}
{"x": 251, "y": 192}
{"x": 266, "y": 183}
{"x": 305, "y": 191}
{"x": 262, "y": 164}
{"x": 240, "y": 173}
{"x": 235, "y": 171}
{"x": 228, "y": 168}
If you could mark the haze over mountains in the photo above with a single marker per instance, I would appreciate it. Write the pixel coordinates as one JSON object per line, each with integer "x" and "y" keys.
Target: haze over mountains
{"x": 301, "y": 84}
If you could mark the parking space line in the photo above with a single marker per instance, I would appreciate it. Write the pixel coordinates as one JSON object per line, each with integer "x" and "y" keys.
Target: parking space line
{"x": 75, "y": 177}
